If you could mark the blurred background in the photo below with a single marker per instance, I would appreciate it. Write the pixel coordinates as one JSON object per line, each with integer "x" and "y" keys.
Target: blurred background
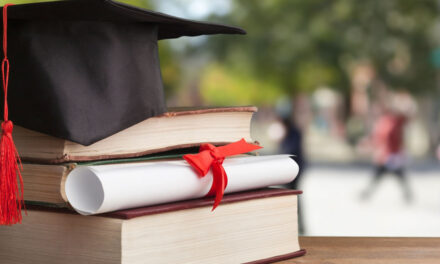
{"x": 350, "y": 87}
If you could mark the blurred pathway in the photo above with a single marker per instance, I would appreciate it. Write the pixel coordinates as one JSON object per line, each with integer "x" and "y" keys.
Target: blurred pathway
{"x": 332, "y": 205}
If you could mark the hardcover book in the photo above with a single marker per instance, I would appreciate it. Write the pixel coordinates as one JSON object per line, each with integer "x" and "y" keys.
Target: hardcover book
{"x": 179, "y": 128}
{"x": 256, "y": 227}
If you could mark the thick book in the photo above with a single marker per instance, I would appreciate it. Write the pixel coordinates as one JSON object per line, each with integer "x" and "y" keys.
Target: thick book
{"x": 251, "y": 227}
{"x": 179, "y": 128}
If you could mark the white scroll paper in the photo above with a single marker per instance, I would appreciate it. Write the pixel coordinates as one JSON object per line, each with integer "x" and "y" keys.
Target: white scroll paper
{"x": 106, "y": 188}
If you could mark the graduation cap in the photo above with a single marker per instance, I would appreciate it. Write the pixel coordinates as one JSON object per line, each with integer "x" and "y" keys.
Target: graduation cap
{"x": 83, "y": 70}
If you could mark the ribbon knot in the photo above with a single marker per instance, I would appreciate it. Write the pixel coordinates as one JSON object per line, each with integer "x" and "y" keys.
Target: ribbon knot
{"x": 215, "y": 153}
{"x": 211, "y": 158}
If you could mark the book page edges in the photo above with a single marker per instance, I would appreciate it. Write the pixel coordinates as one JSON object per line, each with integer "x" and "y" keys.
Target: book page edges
{"x": 45, "y": 183}
{"x": 182, "y": 205}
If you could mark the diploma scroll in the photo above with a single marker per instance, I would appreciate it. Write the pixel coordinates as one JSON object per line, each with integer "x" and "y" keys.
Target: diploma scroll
{"x": 100, "y": 189}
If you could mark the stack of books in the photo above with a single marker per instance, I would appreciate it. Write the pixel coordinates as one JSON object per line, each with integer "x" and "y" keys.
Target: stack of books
{"x": 256, "y": 226}
{"x": 128, "y": 191}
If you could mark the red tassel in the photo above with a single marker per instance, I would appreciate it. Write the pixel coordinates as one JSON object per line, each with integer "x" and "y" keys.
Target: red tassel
{"x": 11, "y": 195}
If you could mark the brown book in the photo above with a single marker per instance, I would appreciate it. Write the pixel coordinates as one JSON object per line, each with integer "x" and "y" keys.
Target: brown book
{"x": 44, "y": 183}
{"x": 179, "y": 128}
{"x": 256, "y": 227}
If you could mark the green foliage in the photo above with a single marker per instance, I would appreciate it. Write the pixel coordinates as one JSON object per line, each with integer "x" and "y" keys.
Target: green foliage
{"x": 171, "y": 71}
{"x": 300, "y": 45}
{"x": 223, "y": 86}
{"x": 140, "y": 3}
{"x": 19, "y": 2}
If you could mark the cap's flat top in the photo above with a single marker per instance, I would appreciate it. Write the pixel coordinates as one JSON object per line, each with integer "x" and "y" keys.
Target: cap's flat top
{"x": 109, "y": 10}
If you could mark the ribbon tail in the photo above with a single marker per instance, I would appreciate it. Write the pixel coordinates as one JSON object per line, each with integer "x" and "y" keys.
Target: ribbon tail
{"x": 238, "y": 147}
{"x": 219, "y": 185}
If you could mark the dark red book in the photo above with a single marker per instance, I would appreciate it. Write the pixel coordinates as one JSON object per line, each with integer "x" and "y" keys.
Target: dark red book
{"x": 248, "y": 227}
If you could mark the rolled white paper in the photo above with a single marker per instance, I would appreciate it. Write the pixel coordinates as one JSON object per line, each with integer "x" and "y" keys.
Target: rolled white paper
{"x": 106, "y": 188}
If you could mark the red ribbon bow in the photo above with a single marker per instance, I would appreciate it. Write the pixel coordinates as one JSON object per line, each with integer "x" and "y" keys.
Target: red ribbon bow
{"x": 211, "y": 157}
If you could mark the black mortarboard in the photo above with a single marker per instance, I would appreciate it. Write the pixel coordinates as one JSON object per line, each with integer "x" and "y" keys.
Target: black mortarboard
{"x": 83, "y": 70}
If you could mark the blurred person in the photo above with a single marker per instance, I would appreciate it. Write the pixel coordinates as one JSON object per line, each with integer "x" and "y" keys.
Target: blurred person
{"x": 291, "y": 143}
{"x": 437, "y": 152}
{"x": 388, "y": 154}
{"x": 292, "y": 140}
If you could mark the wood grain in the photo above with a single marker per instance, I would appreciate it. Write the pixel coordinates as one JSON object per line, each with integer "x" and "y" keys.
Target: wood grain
{"x": 371, "y": 250}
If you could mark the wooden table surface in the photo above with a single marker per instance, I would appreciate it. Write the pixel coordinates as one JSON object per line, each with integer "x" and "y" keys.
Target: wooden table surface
{"x": 371, "y": 250}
